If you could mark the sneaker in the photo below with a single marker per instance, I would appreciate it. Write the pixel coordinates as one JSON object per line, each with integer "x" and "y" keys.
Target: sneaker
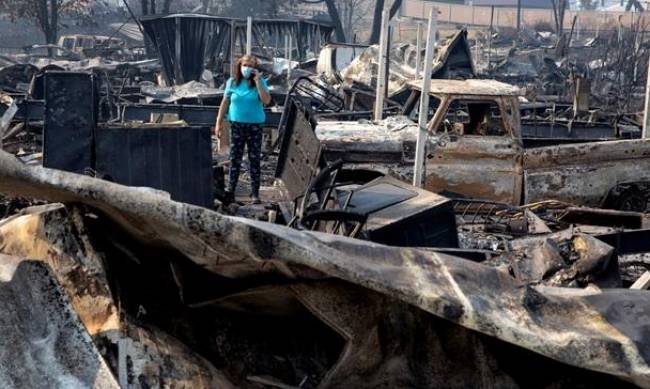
{"x": 256, "y": 199}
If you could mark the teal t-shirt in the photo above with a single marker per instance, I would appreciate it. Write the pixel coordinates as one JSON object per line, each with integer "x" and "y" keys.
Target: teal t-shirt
{"x": 245, "y": 103}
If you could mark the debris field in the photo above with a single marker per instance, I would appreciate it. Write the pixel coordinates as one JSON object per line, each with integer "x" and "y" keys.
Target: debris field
{"x": 479, "y": 220}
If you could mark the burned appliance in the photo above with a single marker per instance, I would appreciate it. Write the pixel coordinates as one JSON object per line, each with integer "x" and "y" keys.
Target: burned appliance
{"x": 357, "y": 203}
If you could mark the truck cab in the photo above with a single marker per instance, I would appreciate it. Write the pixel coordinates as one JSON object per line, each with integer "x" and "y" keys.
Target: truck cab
{"x": 480, "y": 152}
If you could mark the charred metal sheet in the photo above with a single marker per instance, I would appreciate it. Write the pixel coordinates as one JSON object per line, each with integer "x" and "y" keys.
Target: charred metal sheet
{"x": 300, "y": 150}
{"x": 69, "y": 121}
{"x": 176, "y": 160}
{"x": 43, "y": 342}
{"x": 390, "y": 343}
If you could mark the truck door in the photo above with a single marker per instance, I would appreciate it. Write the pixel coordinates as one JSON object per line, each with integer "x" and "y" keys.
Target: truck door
{"x": 478, "y": 153}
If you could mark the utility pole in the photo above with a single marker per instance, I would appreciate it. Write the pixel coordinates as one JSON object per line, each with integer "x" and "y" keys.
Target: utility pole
{"x": 518, "y": 15}
{"x": 382, "y": 57}
{"x": 423, "y": 133}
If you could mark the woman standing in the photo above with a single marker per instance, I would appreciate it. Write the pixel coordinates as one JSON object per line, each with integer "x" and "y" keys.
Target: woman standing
{"x": 243, "y": 100}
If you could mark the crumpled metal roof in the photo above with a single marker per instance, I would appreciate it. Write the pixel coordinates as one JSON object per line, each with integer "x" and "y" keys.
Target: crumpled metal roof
{"x": 606, "y": 331}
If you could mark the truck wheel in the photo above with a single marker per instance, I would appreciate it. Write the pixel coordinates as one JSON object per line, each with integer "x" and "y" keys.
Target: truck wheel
{"x": 633, "y": 200}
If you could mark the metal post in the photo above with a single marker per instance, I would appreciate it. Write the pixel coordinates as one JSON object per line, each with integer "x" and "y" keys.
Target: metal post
{"x": 423, "y": 116}
{"x": 490, "y": 33}
{"x": 518, "y": 15}
{"x": 249, "y": 35}
{"x": 387, "y": 70}
{"x": 418, "y": 49}
{"x": 290, "y": 44}
{"x": 646, "y": 113}
{"x": 233, "y": 46}
{"x": 381, "y": 71}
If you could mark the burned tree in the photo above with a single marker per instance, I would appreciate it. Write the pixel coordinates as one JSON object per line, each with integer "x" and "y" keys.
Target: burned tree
{"x": 152, "y": 7}
{"x": 44, "y": 13}
{"x": 376, "y": 20}
{"x": 334, "y": 15}
{"x": 352, "y": 13}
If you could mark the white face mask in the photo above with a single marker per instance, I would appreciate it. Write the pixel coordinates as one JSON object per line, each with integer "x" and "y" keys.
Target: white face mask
{"x": 246, "y": 71}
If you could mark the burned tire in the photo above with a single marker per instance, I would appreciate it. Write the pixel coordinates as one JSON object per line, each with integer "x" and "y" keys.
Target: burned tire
{"x": 632, "y": 200}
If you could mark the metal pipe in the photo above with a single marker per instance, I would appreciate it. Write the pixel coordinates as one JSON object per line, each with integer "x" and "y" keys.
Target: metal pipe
{"x": 381, "y": 71}
{"x": 289, "y": 63}
{"x": 418, "y": 48}
{"x": 249, "y": 35}
{"x": 423, "y": 134}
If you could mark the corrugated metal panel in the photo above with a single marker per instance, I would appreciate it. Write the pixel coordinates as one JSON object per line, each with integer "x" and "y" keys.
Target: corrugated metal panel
{"x": 175, "y": 160}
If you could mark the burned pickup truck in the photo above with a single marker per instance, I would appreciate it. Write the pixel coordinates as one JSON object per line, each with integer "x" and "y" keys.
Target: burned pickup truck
{"x": 477, "y": 149}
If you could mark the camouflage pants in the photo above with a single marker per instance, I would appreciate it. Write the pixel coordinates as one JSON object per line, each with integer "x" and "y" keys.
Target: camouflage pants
{"x": 249, "y": 135}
